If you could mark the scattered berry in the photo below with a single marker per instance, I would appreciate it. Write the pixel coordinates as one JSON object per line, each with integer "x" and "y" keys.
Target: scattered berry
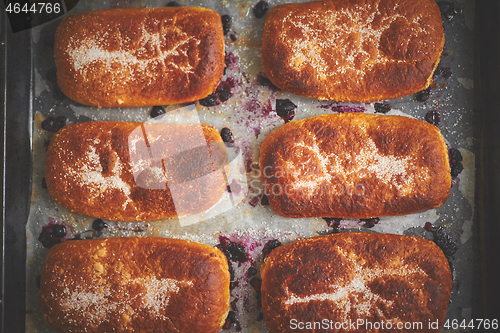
{"x": 52, "y": 124}
{"x": 456, "y": 169}
{"x": 270, "y": 246}
{"x": 256, "y": 284}
{"x": 58, "y": 94}
{"x": 423, "y": 95}
{"x": 59, "y": 231}
{"x": 433, "y": 117}
{"x": 260, "y": 9}
{"x": 224, "y": 95}
{"x": 52, "y": 234}
{"x": 226, "y": 23}
{"x": 233, "y": 251}
{"x": 442, "y": 239}
{"x": 173, "y": 4}
{"x": 226, "y": 135}
{"x": 230, "y": 320}
{"x": 210, "y": 100}
{"x": 99, "y": 225}
{"x": 264, "y": 81}
{"x": 285, "y": 108}
{"x": 455, "y": 155}
{"x": 445, "y": 72}
{"x": 370, "y": 223}
{"x": 333, "y": 223}
{"x": 448, "y": 10}
{"x": 264, "y": 201}
{"x": 157, "y": 111}
{"x": 252, "y": 271}
{"x": 382, "y": 107}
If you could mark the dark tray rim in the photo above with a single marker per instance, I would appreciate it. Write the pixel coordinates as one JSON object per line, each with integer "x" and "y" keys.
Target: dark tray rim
{"x": 16, "y": 84}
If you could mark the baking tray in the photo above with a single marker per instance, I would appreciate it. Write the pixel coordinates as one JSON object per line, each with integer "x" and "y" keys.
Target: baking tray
{"x": 467, "y": 101}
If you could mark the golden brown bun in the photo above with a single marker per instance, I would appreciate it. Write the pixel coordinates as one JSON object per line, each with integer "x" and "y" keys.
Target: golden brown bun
{"x": 140, "y": 57}
{"x": 355, "y": 165}
{"x": 126, "y": 171}
{"x": 348, "y": 277}
{"x": 135, "y": 285}
{"x": 353, "y": 50}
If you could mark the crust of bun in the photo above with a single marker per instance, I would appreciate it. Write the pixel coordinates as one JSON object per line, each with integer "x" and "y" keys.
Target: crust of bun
{"x": 135, "y": 285}
{"x": 355, "y": 165}
{"x": 127, "y": 171}
{"x": 139, "y": 56}
{"x": 353, "y": 50}
{"x": 352, "y": 277}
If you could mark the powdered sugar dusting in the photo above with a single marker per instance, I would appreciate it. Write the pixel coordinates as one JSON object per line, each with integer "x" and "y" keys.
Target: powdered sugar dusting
{"x": 352, "y": 167}
{"x": 150, "y": 53}
{"x": 91, "y": 175}
{"x": 356, "y": 294}
{"x": 100, "y": 301}
{"x": 352, "y": 34}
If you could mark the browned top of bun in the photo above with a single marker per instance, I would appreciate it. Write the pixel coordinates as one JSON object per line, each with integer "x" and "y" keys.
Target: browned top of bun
{"x": 353, "y": 50}
{"x": 134, "y": 285}
{"x": 127, "y": 171}
{"x": 355, "y": 165}
{"x": 140, "y": 56}
{"x": 378, "y": 278}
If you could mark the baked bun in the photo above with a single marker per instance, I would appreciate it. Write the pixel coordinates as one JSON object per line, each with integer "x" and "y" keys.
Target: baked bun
{"x": 140, "y": 56}
{"x": 352, "y": 50}
{"x": 127, "y": 171}
{"x": 356, "y": 282}
{"x": 134, "y": 285}
{"x": 355, "y": 165}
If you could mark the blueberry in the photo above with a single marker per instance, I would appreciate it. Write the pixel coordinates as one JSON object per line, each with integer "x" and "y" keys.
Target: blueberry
{"x": 433, "y": 117}
{"x": 370, "y": 223}
{"x": 285, "y": 109}
{"x": 445, "y": 242}
{"x": 265, "y": 82}
{"x": 44, "y": 183}
{"x": 423, "y": 95}
{"x": 455, "y": 155}
{"x": 173, "y": 4}
{"x": 382, "y": 107}
{"x": 210, "y": 100}
{"x": 445, "y": 72}
{"x": 58, "y": 231}
{"x": 47, "y": 237}
{"x": 456, "y": 169}
{"x": 226, "y": 135}
{"x": 52, "y": 124}
{"x": 270, "y": 246}
{"x": 230, "y": 320}
{"x": 157, "y": 111}
{"x": 224, "y": 95}
{"x": 58, "y": 94}
{"x": 99, "y": 225}
{"x": 264, "y": 201}
{"x": 448, "y": 10}
{"x": 252, "y": 271}
{"x": 260, "y": 9}
{"x": 226, "y": 23}
{"x": 333, "y": 223}
{"x": 232, "y": 250}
